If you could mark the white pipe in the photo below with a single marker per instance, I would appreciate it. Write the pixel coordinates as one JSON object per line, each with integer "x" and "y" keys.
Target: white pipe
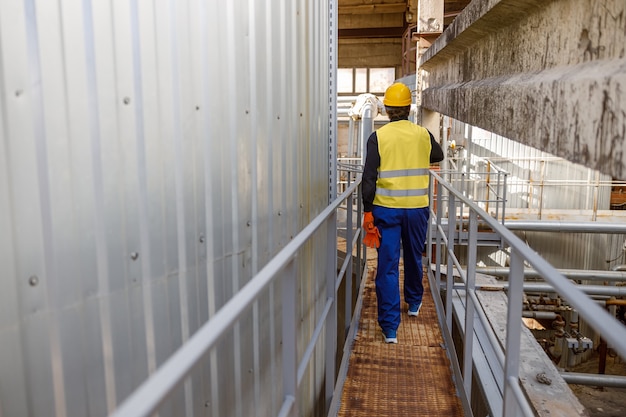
{"x": 615, "y": 381}
{"x": 558, "y": 226}
{"x": 580, "y": 274}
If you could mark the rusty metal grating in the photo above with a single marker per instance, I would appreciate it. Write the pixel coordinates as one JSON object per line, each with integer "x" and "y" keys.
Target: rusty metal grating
{"x": 412, "y": 378}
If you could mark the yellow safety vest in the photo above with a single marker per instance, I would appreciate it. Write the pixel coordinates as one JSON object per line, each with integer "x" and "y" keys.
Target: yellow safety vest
{"x": 404, "y": 149}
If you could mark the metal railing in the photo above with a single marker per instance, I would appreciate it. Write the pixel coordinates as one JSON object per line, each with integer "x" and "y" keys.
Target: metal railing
{"x": 173, "y": 373}
{"x": 488, "y": 189}
{"x": 443, "y": 236}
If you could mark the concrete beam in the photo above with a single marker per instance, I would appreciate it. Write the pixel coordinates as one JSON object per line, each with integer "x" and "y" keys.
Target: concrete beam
{"x": 430, "y": 16}
{"x": 549, "y": 74}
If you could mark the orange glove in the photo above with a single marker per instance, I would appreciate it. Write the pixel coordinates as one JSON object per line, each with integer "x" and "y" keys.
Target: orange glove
{"x": 372, "y": 235}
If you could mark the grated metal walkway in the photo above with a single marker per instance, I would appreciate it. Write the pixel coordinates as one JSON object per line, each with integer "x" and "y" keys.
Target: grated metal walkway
{"x": 411, "y": 378}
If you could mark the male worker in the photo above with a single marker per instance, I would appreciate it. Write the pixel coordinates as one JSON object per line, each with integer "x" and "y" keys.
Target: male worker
{"x": 395, "y": 205}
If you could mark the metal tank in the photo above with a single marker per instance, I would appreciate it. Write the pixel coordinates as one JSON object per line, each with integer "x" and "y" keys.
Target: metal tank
{"x": 153, "y": 157}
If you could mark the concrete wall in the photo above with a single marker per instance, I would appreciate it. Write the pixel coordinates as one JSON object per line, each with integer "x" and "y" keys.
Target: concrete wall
{"x": 549, "y": 74}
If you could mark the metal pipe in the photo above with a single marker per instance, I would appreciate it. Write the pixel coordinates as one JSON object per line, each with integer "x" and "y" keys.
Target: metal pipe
{"x": 616, "y": 381}
{"x": 549, "y": 315}
{"x": 587, "y": 289}
{"x": 558, "y": 226}
{"x": 368, "y": 113}
{"x": 582, "y": 274}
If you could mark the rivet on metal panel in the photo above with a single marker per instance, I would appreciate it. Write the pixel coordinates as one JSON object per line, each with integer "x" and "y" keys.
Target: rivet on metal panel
{"x": 250, "y": 371}
{"x": 33, "y": 280}
{"x": 206, "y": 404}
{"x": 201, "y": 238}
{"x": 134, "y": 256}
{"x": 126, "y": 100}
{"x": 248, "y": 223}
{"x": 280, "y": 213}
{"x": 247, "y": 111}
{"x": 278, "y": 117}
{"x": 197, "y": 107}
{"x": 18, "y": 93}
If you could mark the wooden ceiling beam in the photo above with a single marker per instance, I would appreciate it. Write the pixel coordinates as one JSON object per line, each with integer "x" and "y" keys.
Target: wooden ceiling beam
{"x": 374, "y": 8}
{"x": 392, "y": 32}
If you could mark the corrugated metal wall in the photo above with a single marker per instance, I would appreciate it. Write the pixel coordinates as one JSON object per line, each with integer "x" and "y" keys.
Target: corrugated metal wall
{"x": 153, "y": 156}
{"x": 540, "y": 181}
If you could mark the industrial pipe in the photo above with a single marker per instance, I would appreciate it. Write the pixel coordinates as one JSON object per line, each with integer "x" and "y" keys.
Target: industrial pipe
{"x": 615, "y": 381}
{"x": 548, "y": 315}
{"x": 587, "y": 289}
{"x": 557, "y": 226}
{"x": 572, "y": 227}
{"x": 579, "y": 274}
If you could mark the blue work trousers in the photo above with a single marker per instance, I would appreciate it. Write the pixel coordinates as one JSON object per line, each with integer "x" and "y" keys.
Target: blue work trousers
{"x": 408, "y": 226}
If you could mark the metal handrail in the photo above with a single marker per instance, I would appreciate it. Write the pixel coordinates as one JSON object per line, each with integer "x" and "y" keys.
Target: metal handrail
{"x": 444, "y": 240}
{"x": 153, "y": 392}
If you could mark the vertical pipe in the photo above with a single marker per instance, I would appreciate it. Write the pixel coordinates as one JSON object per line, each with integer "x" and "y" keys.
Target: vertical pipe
{"x": 541, "y": 185}
{"x": 513, "y": 332}
{"x": 351, "y": 151}
{"x": 366, "y": 127}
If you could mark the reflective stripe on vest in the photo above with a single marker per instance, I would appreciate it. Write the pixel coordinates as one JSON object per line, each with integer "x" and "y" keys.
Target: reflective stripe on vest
{"x": 404, "y": 149}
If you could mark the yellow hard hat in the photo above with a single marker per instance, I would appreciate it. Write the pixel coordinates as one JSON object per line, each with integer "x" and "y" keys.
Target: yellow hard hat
{"x": 397, "y": 95}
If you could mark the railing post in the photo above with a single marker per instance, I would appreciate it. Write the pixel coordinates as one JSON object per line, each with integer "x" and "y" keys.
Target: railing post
{"x": 470, "y": 287}
{"x": 504, "y": 197}
{"x": 440, "y": 201}
{"x": 541, "y": 186}
{"x": 359, "y": 245}
{"x": 348, "y": 276}
{"x": 331, "y": 323}
{"x": 513, "y": 333}
{"x": 498, "y": 194}
{"x": 450, "y": 262}
{"x": 429, "y": 231}
{"x": 289, "y": 337}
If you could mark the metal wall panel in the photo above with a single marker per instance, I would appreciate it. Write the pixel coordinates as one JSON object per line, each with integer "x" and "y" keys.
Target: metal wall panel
{"x": 538, "y": 180}
{"x": 153, "y": 157}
